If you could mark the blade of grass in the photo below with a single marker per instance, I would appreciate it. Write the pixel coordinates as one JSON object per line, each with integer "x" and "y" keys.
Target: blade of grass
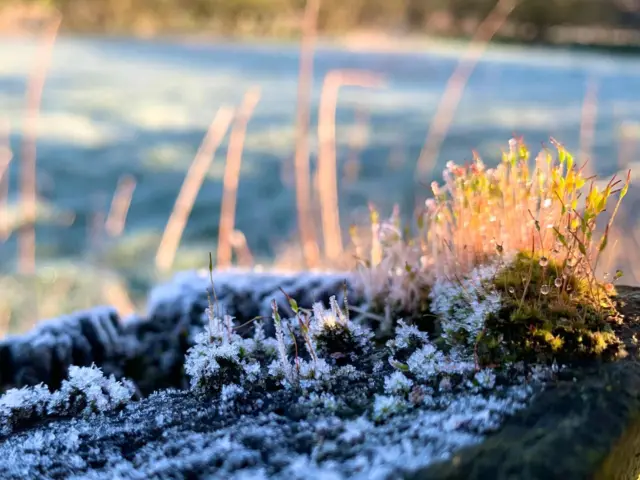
{"x": 231, "y": 176}
{"x": 457, "y": 83}
{"x": 120, "y": 204}
{"x": 327, "y": 177}
{"x": 239, "y": 243}
{"x": 28, "y": 187}
{"x": 6, "y": 156}
{"x": 301, "y": 162}
{"x": 191, "y": 186}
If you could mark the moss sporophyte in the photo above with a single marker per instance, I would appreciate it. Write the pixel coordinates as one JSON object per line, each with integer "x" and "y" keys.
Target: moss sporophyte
{"x": 534, "y": 226}
{"x": 497, "y": 281}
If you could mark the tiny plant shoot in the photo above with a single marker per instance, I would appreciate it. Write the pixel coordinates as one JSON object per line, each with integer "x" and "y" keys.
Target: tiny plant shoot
{"x": 543, "y": 228}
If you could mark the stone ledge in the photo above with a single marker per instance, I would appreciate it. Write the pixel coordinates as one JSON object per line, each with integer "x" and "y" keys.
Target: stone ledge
{"x": 587, "y": 425}
{"x": 150, "y": 350}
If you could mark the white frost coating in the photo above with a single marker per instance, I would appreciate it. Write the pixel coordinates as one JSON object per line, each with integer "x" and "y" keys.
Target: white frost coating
{"x": 407, "y": 335}
{"x": 22, "y": 403}
{"x": 185, "y": 287}
{"x": 230, "y": 392}
{"x": 384, "y": 406}
{"x": 397, "y": 383}
{"x": 88, "y": 391}
{"x": 328, "y": 401}
{"x": 324, "y": 320}
{"x": 203, "y": 360}
{"x": 486, "y": 379}
{"x": 464, "y": 306}
{"x": 355, "y": 430}
{"x": 428, "y": 362}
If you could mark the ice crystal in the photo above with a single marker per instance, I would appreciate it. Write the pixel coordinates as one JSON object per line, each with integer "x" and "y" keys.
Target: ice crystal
{"x": 397, "y": 383}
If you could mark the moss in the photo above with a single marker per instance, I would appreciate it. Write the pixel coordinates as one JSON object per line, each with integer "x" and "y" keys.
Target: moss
{"x": 337, "y": 344}
{"x": 422, "y": 317}
{"x": 542, "y": 322}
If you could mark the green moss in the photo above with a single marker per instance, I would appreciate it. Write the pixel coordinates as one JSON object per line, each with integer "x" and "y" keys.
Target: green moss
{"x": 542, "y": 322}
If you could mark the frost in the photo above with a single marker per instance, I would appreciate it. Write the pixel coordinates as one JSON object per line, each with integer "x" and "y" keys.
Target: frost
{"x": 327, "y": 401}
{"x": 230, "y": 393}
{"x": 397, "y": 383}
{"x": 463, "y": 307}
{"x": 87, "y": 391}
{"x": 252, "y": 371}
{"x": 349, "y": 372}
{"x": 445, "y": 385}
{"x": 407, "y": 336}
{"x": 486, "y": 379}
{"x": 355, "y": 430}
{"x": 18, "y": 405}
{"x": 385, "y": 406}
{"x": 218, "y": 359}
{"x": 318, "y": 370}
{"x": 334, "y": 334}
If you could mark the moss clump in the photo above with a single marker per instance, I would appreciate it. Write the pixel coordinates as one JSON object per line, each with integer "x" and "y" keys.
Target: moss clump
{"x": 548, "y": 313}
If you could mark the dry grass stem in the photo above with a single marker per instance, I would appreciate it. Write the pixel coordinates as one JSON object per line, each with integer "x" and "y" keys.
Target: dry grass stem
{"x": 191, "y": 186}
{"x": 97, "y": 225}
{"x": 116, "y": 295}
{"x": 327, "y": 176}
{"x": 357, "y": 143}
{"x": 456, "y": 85}
{"x": 6, "y": 156}
{"x": 241, "y": 247}
{"x": 117, "y": 218}
{"x": 232, "y": 175}
{"x": 28, "y": 187}
{"x": 306, "y": 227}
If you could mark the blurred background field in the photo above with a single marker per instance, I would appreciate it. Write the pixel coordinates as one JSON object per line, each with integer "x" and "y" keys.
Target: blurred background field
{"x": 121, "y": 118}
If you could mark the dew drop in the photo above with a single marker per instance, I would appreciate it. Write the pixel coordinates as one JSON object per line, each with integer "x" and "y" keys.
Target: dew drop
{"x": 544, "y": 289}
{"x": 544, "y": 261}
{"x": 569, "y": 288}
{"x": 558, "y": 282}
{"x": 606, "y": 276}
{"x": 512, "y": 290}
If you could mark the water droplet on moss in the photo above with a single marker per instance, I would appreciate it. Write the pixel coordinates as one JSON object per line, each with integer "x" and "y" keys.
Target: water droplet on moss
{"x": 558, "y": 282}
{"x": 606, "y": 276}
{"x": 512, "y": 290}
{"x": 569, "y": 288}
{"x": 544, "y": 261}
{"x": 544, "y": 289}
